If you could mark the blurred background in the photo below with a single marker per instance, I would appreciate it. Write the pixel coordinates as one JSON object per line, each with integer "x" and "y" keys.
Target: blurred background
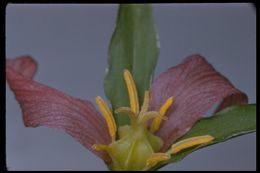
{"x": 70, "y": 43}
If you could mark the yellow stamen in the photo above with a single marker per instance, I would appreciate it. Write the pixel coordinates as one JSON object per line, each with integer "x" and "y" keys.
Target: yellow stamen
{"x": 190, "y": 142}
{"x": 145, "y": 105}
{"x": 166, "y": 106}
{"x": 157, "y": 121}
{"x": 100, "y": 147}
{"x": 134, "y": 104}
{"x": 155, "y": 158}
{"x": 108, "y": 117}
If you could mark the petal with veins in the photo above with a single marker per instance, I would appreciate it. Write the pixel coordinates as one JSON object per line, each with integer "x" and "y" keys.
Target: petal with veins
{"x": 196, "y": 86}
{"x": 43, "y": 105}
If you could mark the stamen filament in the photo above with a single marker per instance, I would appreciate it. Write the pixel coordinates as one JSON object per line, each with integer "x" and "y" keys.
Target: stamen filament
{"x": 155, "y": 158}
{"x": 107, "y": 114}
{"x": 190, "y": 142}
{"x": 99, "y": 147}
{"x": 134, "y": 104}
{"x": 145, "y": 105}
{"x": 157, "y": 121}
{"x": 128, "y": 111}
{"x": 149, "y": 115}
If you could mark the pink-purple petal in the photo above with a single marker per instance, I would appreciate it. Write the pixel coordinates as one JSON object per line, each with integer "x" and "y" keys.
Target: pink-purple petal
{"x": 196, "y": 86}
{"x": 45, "y": 106}
{"x": 24, "y": 65}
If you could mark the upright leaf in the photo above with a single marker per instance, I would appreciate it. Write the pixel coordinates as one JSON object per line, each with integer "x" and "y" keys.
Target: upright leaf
{"x": 231, "y": 122}
{"x": 134, "y": 47}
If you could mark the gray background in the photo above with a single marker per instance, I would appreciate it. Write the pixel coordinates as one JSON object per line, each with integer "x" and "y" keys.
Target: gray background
{"x": 70, "y": 43}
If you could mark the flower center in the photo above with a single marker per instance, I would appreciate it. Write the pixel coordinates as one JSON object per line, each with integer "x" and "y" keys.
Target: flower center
{"x": 136, "y": 147}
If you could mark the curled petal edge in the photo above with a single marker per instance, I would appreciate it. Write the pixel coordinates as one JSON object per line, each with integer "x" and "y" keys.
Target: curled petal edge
{"x": 45, "y": 106}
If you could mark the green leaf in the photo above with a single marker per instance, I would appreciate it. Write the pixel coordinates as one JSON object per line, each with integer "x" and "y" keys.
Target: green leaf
{"x": 134, "y": 47}
{"x": 231, "y": 122}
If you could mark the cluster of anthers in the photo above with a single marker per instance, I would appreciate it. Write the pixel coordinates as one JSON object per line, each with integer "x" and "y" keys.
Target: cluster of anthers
{"x": 135, "y": 146}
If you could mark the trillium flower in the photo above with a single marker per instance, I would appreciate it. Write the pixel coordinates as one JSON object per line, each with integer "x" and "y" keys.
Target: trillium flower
{"x": 176, "y": 100}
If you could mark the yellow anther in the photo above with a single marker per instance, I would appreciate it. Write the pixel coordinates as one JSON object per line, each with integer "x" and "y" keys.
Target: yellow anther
{"x": 157, "y": 121}
{"x": 190, "y": 142}
{"x": 99, "y": 147}
{"x": 134, "y": 104}
{"x": 155, "y": 124}
{"x": 145, "y": 105}
{"x": 155, "y": 158}
{"x": 166, "y": 106}
{"x": 107, "y": 114}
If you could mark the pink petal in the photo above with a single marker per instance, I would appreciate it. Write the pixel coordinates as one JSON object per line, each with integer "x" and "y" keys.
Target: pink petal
{"x": 43, "y": 105}
{"x": 196, "y": 86}
{"x": 25, "y": 65}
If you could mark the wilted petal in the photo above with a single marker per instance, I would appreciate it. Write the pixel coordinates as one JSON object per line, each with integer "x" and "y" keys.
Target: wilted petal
{"x": 43, "y": 105}
{"x": 196, "y": 86}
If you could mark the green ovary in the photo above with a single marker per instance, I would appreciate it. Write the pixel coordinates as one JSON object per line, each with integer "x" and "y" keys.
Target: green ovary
{"x": 134, "y": 147}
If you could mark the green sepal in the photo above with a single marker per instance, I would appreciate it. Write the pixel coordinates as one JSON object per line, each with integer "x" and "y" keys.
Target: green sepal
{"x": 229, "y": 123}
{"x": 134, "y": 46}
